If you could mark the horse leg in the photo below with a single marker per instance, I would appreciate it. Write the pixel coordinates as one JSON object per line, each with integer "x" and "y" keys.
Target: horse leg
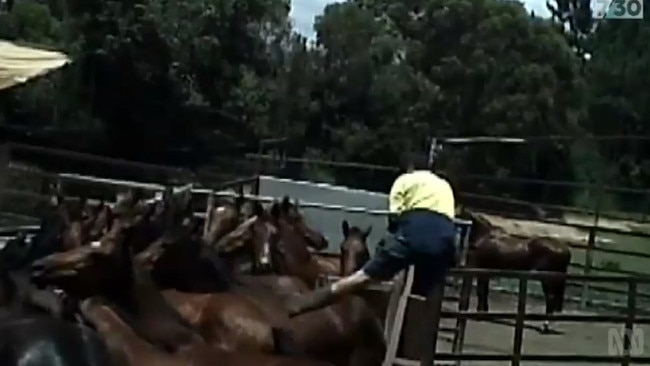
{"x": 560, "y": 287}
{"x": 482, "y": 289}
{"x": 549, "y": 297}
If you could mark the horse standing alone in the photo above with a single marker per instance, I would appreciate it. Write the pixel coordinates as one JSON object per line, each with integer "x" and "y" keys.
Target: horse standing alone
{"x": 492, "y": 248}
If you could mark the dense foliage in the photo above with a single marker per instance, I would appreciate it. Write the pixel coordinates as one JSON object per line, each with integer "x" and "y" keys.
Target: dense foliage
{"x": 154, "y": 77}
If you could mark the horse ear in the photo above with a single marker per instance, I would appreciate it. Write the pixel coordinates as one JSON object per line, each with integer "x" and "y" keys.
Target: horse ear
{"x": 286, "y": 203}
{"x": 276, "y": 210}
{"x": 345, "y": 226}
{"x": 167, "y": 194}
{"x": 367, "y": 232}
{"x": 258, "y": 209}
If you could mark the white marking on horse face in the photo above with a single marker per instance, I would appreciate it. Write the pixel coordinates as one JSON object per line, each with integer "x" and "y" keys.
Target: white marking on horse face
{"x": 266, "y": 253}
{"x": 95, "y": 244}
{"x": 220, "y": 209}
{"x": 158, "y": 196}
{"x": 58, "y": 291}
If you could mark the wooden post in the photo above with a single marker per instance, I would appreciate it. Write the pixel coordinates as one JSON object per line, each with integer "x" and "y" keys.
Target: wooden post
{"x": 519, "y": 321}
{"x": 431, "y": 324}
{"x": 629, "y": 322}
{"x": 391, "y": 310}
{"x": 398, "y": 322}
{"x": 461, "y": 322}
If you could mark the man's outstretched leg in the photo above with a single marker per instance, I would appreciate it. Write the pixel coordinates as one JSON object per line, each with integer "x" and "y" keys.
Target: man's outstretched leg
{"x": 390, "y": 259}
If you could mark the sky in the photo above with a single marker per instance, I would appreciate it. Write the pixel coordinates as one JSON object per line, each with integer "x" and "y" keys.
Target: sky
{"x": 304, "y": 11}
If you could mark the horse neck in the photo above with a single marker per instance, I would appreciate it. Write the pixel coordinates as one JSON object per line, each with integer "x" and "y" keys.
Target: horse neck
{"x": 73, "y": 235}
{"x": 141, "y": 305}
{"x": 115, "y": 331}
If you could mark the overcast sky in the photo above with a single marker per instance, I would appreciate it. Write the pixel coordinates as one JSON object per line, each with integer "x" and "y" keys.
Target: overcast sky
{"x": 304, "y": 11}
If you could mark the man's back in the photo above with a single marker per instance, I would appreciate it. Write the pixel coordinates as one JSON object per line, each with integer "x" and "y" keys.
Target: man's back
{"x": 422, "y": 189}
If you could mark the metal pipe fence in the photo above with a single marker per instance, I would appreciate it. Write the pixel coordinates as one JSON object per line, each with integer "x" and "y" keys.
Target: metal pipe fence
{"x": 577, "y": 264}
{"x": 587, "y": 297}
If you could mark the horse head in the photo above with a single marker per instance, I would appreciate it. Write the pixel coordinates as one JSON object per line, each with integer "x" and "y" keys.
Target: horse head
{"x": 291, "y": 213}
{"x": 83, "y": 271}
{"x": 481, "y": 226}
{"x": 223, "y": 218}
{"x": 103, "y": 219}
{"x": 354, "y": 248}
{"x": 256, "y": 236}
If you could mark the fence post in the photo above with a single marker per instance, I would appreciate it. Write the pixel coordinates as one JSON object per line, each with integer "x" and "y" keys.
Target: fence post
{"x": 629, "y": 322}
{"x": 519, "y": 321}
{"x": 591, "y": 245}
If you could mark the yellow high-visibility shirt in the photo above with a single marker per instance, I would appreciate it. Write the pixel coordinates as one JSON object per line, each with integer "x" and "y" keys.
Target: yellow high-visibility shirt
{"x": 421, "y": 189}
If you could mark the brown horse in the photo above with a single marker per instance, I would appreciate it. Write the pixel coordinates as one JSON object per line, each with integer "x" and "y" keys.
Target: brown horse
{"x": 133, "y": 316}
{"x": 492, "y": 248}
{"x": 346, "y": 333}
{"x": 227, "y": 321}
{"x": 100, "y": 221}
{"x": 291, "y": 214}
{"x": 354, "y": 249}
{"x": 354, "y": 240}
{"x": 222, "y": 218}
{"x": 290, "y": 257}
{"x": 121, "y": 336}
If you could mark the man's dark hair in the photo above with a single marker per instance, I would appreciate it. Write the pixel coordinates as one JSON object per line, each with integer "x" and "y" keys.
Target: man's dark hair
{"x": 418, "y": 161}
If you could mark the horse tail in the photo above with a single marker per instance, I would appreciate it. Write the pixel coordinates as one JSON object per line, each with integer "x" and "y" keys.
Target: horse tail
{"x": 284, "y": 343}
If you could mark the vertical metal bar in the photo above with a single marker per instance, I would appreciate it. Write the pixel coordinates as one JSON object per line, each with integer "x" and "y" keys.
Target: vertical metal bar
{"x": 519, "y": 321}
{"x": 461, "y": 322}
{"x": 629, "y": 322}
{"x": 591, "y": 245}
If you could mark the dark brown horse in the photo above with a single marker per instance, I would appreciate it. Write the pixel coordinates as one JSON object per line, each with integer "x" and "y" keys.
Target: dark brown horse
{"x": 120, "y": 335}
{"x": 490, "y": 247}
{"x": 133, "y": 316}
{"x": 291, "y": 214}
{"x": 346, "y": 333}
{"x": 227, "y": 321}
{"x": 100, "y": 221}
{"x": 331, "y": 325}
{"x": 354, "y": 248}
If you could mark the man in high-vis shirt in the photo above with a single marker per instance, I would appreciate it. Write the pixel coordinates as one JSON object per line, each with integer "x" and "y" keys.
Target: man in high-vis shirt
{"x": 421, "y": 233}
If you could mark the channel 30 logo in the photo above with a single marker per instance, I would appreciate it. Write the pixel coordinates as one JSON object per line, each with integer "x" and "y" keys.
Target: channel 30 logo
{"x": 618, "y": 9}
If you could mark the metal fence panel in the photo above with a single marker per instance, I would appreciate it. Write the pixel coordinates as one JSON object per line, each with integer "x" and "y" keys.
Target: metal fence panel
{"x": 328, "y": 221}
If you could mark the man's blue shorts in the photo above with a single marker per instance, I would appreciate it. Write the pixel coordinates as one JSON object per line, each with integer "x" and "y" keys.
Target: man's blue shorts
{"x": 424, "y": 239}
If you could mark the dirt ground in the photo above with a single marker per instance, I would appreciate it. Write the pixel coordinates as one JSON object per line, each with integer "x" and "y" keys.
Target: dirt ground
{"x": 573, "y": 338}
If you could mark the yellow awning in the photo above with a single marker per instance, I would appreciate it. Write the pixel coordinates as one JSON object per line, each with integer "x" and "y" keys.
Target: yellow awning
{"x": 19, "y": 64}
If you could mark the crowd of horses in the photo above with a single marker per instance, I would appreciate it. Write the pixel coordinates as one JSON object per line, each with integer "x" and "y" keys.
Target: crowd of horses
{"x": 143, "y": 283}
